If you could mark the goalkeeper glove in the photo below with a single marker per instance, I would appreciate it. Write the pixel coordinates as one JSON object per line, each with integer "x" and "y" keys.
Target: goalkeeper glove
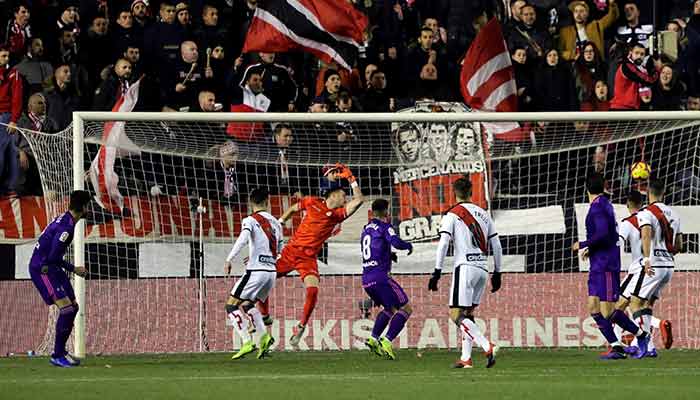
{"x": 433, "y": 283}
{"x": 495, "y": 282}
{"x": 345, "y": 173}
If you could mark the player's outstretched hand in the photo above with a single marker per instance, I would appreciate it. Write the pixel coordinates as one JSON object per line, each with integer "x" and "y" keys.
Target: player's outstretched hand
{"x": 495, "y": 282}
{"x": 227, "y": 268}
{"x": 394, "y": 257}
{"x": 80, "y": 271}
{"x": 345, "y": 173}
{"x": 433, "y": 283}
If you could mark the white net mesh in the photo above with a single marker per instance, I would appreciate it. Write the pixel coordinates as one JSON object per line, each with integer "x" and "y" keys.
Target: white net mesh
{"x": 144, "y": 260}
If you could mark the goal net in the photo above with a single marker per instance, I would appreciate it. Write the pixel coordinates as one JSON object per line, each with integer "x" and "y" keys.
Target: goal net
{"x": 156, "y": 279}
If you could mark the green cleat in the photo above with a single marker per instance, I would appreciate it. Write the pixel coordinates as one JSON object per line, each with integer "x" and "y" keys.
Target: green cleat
{"x": 387, "y": 348}
{"x": 247, "y": 348}
{"x": 374, "y": 346}
{"x": 266, "y": 341}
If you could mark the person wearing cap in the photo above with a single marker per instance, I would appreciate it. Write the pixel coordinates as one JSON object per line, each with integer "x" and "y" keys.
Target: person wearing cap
{"x": 636, "y": 72}
{"x": 141, "y": 13}
{"x": 182, "y": 13}
{"x": 572, "y": 36}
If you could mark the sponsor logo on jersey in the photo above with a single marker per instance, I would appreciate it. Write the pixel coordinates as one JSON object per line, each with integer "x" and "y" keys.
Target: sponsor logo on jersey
{"x": 263, "y": 259}
{"x": 476, "y": 257}
{"x": 64, "y": 236}
{"x": 369, "y": 264}
{"x": 662, "y": 253}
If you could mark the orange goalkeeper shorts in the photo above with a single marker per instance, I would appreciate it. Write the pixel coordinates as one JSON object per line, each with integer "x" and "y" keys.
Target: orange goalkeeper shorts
{"x": 296, "y": 259}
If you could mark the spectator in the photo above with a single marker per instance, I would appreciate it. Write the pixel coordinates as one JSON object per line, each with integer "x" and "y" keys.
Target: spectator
{"x": 428, "y": 85}
{"x": 369, "y": 69}
{"x": 525, "y": 34}
{"x": 18, "y": 32}
{"x": 667, "y": 91}
{"x": 182, "y": 13}
{"x": 514, "y": 16}
{"x": 350, "y": 80}
{"x": 69, "y": 17}
{"x": 96, "y": 53}
{"x": 376, "y": 99}
{"x": 631, "y": 76}
{"x": 35, "y": 119}
{"x": 632, "y": 30}
{"x": 439, "y": 36}
{"x": 278, "y": 84}
{"x": 132, "y": 54}
{"x": 523, "y": 78}
{"x": 141, "y": 15}
{"x": 318, "y": 105}
{"x": 62, "y": 96}
{"x": 249, "y": 97}
{"x": 67, "y": 53}
{"x": 588, "y": 68}
{"x": 162, "y": 41}
{"x": 210, "y": 34}
{"x": 645, "y": 97}
{"x": 572, "y": 37}
{"x": 184, "y": 80}
{"x": 600, "y": 101}
{"x": 278, "y": 175}
{"x": 10, "y": 112}
{"x": 693, "y": 102}
{"x": 206, "y": 102}
{"x": 332, "y": 85}
{"x": 554, "y": 85}
{"x": 111, "y": 88}
{"x": 124, "y": 34}
{"x": 416, "y": 59}
{"x": 33, "y": 67}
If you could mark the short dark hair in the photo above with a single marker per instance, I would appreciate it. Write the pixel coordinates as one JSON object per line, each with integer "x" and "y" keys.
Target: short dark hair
{"x": 259, "y": 196}
{"x": 426, "y": 29}
{"x": 78, "y": 200}
{"x": 463, "y": 187}
{"x": 657, "y": 187}
{"x": 375, "y": 72}
{"x": 635, "y": 197}
{"x": 380, "y": 207}
{"x": 595, "y": 183}
{"x": 279, "y": 127}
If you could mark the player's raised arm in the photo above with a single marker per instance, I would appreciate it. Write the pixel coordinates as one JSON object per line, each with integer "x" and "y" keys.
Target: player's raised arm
{"x": 289, "y": 212}
{"x": 357, "y": 197}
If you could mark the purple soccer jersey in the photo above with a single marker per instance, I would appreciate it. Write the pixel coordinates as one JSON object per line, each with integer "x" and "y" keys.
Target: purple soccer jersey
{"x": 604, "y": 252}
{"x": 45, "y": 267}
{"x": 377, "y": 239}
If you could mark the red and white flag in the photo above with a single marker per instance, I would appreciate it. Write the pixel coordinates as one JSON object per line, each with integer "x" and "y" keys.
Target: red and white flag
{"x": 332, "y": 30}
{"x": 487, "y": 80}
{"x": 115, "y": 144}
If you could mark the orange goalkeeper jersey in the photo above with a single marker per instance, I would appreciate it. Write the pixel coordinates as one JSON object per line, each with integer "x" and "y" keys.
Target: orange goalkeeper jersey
{"x": 317, "y": 225}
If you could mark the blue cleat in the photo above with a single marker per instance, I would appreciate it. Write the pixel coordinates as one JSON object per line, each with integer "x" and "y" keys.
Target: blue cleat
{"x": 61, "y": 362}
{"x": 631, "y": 350}
{"x": 652, "y": 353}
{"x": 642, "y": 343}
{"x": 616, "y": 353}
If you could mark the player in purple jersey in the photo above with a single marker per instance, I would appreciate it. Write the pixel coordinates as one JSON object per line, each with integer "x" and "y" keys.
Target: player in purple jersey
{"x": 601, "y": 246}
{"x": 46, "y": 269}
{"x": 378, "y": 237}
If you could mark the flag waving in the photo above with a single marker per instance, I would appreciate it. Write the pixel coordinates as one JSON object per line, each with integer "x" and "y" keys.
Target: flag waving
{"x": 332, "y": 30}
{"x": 115, "y": 144}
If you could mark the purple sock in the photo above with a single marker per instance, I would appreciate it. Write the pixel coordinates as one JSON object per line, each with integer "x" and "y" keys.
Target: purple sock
{"x": 397, "y": 324}
{"x": 380, "y": 323}
{"x": 64, "y": 326}
{"x": 605, "y": 327}
{"x": 623, "y": 321}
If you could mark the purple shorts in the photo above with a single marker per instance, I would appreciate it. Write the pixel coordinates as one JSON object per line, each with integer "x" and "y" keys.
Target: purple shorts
{"x": 387, "y": 292}
{"x": 604, "y": 284}
{"x": 52, "y": 285}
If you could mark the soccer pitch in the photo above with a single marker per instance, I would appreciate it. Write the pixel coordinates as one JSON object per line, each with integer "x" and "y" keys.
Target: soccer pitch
{"x": 518, "y": 374}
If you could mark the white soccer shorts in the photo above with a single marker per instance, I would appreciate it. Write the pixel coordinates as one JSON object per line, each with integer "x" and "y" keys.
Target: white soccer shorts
{"x": 468, "y": 284}
{"x": 254, "y": 285}
{"x": 644, "y": 286}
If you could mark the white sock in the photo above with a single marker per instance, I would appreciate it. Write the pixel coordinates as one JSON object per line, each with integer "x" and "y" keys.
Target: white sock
{"x": 240, "y": 323}
{"x": 473, "y": 331}
{"x": 651, "y": 346}
{"x": 655, "y": 322}
{"x": 257, "y": 319}
{"x": 466, "y": 347}
{"x": 618, "y": 331}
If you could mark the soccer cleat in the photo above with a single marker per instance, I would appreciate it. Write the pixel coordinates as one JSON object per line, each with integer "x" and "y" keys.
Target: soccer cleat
{"x": 61, "y": 362}
{"x": 247, "y": 348}
{"x": 491, "y": 355}
{"x": 267, "y": 320}
{"x": 631, "y": 350}
{"x": 297, "y": 332}
{"x": 74, "y": 361}
{"x": 642, "y": 343}
{"x": 652, "y": 354}
{"x": 388, "y": 348}
{"x": 616, "y": 353}
{"x": 374, "y": 346}
{"x": 266, "y": 341}
{"x": 666, "y": 333}
{"x": 463, "y": 364}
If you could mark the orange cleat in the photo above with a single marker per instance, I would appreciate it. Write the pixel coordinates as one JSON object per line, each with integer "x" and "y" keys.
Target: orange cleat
{"x": 463, "y": 364}
{"x": 666, "y": 333}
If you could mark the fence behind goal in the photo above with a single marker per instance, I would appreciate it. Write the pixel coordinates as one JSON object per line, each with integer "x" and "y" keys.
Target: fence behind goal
{"x": 156, "y": 279}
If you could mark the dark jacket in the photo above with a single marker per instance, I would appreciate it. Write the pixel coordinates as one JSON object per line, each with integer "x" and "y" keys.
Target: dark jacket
{"x": 107, "y": 93}
{"x": 61, "y": 104}
{"x": 554, "y": 88}
{"x": 278, "y": 85}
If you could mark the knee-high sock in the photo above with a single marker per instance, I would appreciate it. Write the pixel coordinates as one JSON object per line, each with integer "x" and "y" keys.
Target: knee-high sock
{"x": 309, "y": 304}
{"x": 620, "y": 318}
{"x": 472, "y": 330}
{"x": 466, "y": 347}
{"x": 380, "y": 323}
{"x": 241, "y": 323}
{"x": 264, "y": 306}
{"x": 64, "y": 326}
{"x": 606, "y": 329}
{"x": 257, "y": 319}
{"x": 644, "y": 317}
{"x": 618, "y": 331}
{"x": 397, "y": 323}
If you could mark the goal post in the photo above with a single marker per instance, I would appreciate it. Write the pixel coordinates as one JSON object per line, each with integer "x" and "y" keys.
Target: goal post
{"x": 155, "y": 283}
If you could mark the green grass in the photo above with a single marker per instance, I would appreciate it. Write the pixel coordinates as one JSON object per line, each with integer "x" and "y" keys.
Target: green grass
{"x": 519, "y": 374}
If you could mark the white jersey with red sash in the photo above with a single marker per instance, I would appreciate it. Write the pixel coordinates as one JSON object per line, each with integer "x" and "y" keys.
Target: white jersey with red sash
{"x": 264, "y": 234}
{"x": 470, "y": 227}
{"x": 630, "y": 233}
{"x": 665, "y": 225}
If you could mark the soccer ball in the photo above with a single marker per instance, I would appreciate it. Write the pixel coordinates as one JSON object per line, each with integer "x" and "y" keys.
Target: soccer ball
{"x": 641, "y": 170}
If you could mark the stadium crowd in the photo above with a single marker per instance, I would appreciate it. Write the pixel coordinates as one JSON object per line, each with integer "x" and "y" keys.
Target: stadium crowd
{"x": 63, "y": 56}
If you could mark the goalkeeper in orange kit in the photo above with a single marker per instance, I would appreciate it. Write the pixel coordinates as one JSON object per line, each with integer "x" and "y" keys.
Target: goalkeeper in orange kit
{"x": 322, "y": 216}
